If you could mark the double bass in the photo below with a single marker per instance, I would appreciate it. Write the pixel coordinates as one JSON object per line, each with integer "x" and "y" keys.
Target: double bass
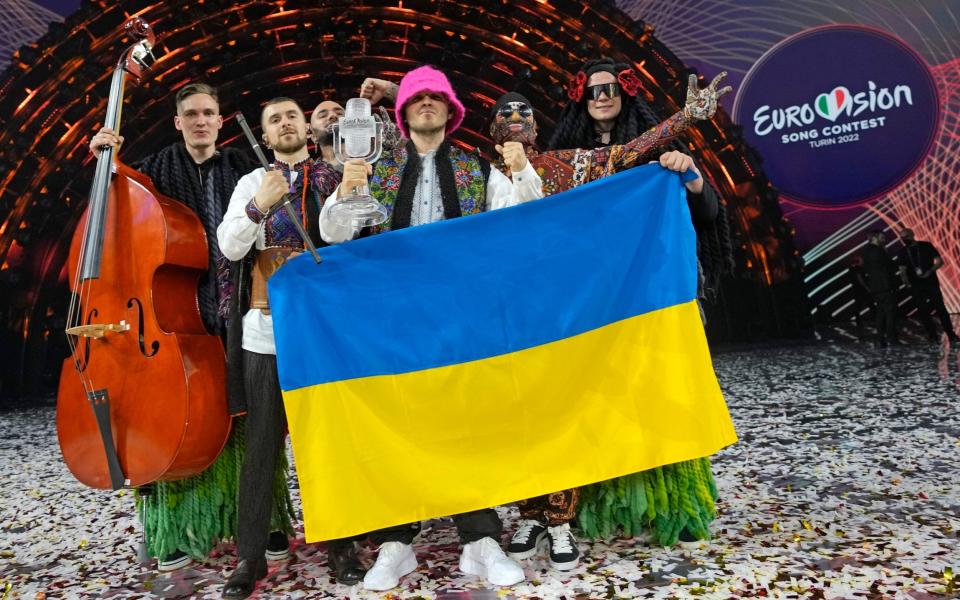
{"x": 142, "y": 396}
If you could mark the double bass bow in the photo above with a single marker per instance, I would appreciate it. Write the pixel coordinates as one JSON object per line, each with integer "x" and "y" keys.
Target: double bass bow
{"x": 142, "y": 395}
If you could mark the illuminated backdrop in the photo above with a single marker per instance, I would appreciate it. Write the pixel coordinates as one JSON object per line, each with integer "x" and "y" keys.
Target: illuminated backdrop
{"x": 53, "y": 94}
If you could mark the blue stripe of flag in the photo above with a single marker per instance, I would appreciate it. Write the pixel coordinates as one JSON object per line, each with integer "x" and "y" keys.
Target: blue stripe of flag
{"x": 485, "y": 285}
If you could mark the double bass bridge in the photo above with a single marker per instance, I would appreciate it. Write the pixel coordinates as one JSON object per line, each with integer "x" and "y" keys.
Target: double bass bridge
{"x": 98, "y": 330}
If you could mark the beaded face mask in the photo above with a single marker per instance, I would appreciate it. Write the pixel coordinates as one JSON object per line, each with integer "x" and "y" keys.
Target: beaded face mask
{"x": 514, "y": 122}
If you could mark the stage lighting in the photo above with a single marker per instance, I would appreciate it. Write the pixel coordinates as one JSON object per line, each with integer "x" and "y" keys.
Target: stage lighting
{"x": 302, "y": 35}
{"x": 23, "y": 237}
{"x": 27, "y": 55}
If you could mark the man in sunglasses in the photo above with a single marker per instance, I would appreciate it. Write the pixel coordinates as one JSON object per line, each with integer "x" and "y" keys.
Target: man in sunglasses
{"x": 547, "y": 518}
{"x": 513, "y": 120}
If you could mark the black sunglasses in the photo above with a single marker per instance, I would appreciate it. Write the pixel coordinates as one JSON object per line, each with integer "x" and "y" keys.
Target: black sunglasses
{"x": 506, "y": 111}
{"x": 612, "y": 90}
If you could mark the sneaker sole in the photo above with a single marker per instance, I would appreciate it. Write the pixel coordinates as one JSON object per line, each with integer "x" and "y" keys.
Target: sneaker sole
{"x": 472, "y": 567}
{"x": 174, "y": 564}
{"x": 276, "y": 555}
{"x": 407, "y": 566}
{"x": 565, "y": 566}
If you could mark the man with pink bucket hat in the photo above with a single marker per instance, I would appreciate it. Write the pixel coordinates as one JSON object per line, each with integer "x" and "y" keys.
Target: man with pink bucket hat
{"x": 424, "y": 180}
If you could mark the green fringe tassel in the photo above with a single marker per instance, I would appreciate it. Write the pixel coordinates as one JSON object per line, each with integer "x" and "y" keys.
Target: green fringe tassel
{"x": 192, "y": 515}
{"x": 666, "y": 500}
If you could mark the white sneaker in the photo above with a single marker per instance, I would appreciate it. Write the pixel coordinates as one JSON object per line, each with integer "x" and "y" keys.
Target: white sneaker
{"x": 394, "y": 560}
{"x": 485, "y": 558}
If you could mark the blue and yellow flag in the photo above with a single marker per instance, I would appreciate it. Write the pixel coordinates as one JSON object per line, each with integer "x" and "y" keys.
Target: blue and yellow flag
{"x": 478, "y": 361}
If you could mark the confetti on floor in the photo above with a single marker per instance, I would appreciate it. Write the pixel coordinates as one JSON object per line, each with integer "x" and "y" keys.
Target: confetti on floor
{"x": 845, "y": 484}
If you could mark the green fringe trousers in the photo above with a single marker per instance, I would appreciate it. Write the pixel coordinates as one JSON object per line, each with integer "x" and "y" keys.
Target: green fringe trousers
{"x": 192, "y": 515}
{"x": 666, "y": 500}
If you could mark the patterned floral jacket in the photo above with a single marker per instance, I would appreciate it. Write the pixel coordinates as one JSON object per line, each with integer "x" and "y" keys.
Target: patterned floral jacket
{"x": 468, "y": 173}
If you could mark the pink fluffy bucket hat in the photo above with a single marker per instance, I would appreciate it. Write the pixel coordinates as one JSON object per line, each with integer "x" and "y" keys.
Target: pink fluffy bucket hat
{"x": 427, "y": 79}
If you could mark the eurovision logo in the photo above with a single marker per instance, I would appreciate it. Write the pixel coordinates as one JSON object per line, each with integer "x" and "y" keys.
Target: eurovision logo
{"x": 831, "y": 105}
{"x": 840, "y": 114}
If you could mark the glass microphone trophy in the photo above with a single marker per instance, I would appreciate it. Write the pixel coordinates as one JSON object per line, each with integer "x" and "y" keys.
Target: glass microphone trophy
{"x": 358, "y": 135}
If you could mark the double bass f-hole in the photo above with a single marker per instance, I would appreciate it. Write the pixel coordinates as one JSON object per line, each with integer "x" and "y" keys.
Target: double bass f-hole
{"x": 156, "y": 343}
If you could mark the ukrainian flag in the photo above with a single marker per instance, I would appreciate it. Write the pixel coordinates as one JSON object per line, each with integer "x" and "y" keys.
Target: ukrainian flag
{"x": 474, "y": 362}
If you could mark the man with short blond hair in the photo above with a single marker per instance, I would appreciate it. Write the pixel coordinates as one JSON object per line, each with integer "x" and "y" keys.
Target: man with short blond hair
{"x": 202, "y": 176}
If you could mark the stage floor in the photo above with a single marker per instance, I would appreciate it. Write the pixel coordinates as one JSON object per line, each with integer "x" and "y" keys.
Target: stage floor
{"x": 844, "y": 484}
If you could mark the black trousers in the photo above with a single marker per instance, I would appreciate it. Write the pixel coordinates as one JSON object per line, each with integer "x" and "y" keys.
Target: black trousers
{"x": 929, "y": 299}
{"x": 886, "y": 313}
{"x": 266, "y": 429}
{"x": 861, "y": 301}
{"x": 471, "y": 526}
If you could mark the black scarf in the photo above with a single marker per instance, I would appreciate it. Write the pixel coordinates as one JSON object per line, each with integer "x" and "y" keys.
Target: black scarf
{"x": 175, "y": 174}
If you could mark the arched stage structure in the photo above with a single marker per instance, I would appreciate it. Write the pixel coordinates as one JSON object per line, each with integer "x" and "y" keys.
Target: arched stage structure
{"x": 53, "y": 95}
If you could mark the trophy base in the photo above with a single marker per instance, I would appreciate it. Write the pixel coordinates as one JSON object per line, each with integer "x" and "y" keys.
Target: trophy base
{"x": 359, "y": 211}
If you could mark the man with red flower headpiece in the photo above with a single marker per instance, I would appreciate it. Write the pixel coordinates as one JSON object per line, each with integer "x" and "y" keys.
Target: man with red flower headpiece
{"x": 546, "y": 518}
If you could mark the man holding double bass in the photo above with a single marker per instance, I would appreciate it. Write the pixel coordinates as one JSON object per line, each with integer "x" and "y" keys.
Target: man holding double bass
{"x": 202, "y": 176}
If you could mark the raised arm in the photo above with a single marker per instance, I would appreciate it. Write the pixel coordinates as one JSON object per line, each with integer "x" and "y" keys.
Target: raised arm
{"x": 377, "y": 89}
{"x": 700, "y": 105}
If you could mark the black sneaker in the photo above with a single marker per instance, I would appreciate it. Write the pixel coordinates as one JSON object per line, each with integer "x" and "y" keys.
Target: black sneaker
{"x": 525, "y": 541}
{"x": 278, "y": 546}
{"x": 564, "y": 554}
{"x": 174, "y": 561}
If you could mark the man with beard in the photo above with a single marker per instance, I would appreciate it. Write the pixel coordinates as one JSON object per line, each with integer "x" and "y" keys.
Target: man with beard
{"x": 251, "y": 225}
{"x": 328, "y": 113}
{"x": 512, "y": 120}
{"x": 424, "y": 181}
{"x": 919, "y": 263}
{"x": 323, "y": 117}
{"x": 177, "y": 523}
